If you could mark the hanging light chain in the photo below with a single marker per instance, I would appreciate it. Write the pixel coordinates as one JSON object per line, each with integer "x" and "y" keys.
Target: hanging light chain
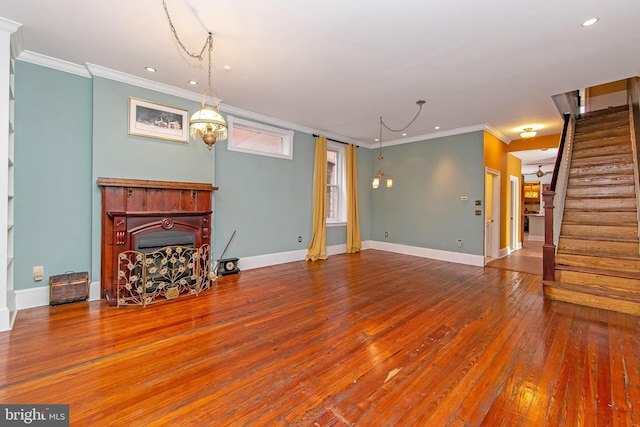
{"x": 420, "y": 103}
{"x": 208, "y": 43}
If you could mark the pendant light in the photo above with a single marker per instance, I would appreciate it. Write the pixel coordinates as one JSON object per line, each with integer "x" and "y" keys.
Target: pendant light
{"x": 207, "y": 122}
{"x": 378, "y": 177}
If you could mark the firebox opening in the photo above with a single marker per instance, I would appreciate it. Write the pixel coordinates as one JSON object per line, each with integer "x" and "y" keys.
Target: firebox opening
{"x": 150, "y": 242}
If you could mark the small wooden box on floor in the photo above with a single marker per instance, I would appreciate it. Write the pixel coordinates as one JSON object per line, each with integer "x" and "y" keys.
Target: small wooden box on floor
{"x": 68, "y": 287}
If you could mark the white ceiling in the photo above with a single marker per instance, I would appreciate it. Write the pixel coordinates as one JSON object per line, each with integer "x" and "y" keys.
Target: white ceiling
{"x": 336, "y": 66}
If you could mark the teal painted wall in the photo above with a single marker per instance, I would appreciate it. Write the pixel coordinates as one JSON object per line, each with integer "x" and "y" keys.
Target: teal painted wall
{"x": 81, "y": 134}
{"x": 52, "y": 180}
{"x": 423, "y": 208}
{"x": 116, "y": 154}
{"x": 269, "y": 202}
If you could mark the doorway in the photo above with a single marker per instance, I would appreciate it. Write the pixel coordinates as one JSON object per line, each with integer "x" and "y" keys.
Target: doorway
{"x": 492, "y": 215}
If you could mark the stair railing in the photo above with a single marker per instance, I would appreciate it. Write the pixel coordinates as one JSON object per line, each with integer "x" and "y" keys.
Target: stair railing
{"x": 555, "y": 197}
{"x": 633, "y": 91}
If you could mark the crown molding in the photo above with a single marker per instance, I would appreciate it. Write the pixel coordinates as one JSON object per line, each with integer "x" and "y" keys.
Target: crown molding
{"x": 452, "y": 132}
{"x": 107, "y": 73}
{"x": 9, "y": 26}
{"x": 53, "y": 63}
{"x": 495, "y": 132}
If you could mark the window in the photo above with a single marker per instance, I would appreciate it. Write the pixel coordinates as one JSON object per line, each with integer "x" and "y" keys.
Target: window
{"x": 256, "y": 138}
{"x": 336, "y": 184}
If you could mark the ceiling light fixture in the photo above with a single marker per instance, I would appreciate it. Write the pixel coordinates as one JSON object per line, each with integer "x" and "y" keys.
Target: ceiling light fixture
{"x": 150, "y": 69}
{"x": 528, "y": 133}
{"x": 378, "y": 177}
{"x": 206, "y": 122}
{"x": 590, "y": 22}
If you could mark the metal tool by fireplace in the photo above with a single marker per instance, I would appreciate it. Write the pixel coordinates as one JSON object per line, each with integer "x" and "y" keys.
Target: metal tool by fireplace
{"x": 228, "y": 265}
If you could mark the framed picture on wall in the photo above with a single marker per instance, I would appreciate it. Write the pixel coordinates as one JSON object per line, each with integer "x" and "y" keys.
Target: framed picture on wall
{"x": 155, "y": 120}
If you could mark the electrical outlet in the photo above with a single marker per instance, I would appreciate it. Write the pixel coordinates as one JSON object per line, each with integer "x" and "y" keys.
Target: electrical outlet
{"x": 459, "y": 243}
{"x": 386, "y": 234}
{"x": 299, "y": 239}
{"x": 38, "y": 273}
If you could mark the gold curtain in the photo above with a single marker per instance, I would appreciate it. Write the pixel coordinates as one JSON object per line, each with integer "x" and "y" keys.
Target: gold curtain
{"x": 318, "y": 246}
{"x": 354, "y": 244}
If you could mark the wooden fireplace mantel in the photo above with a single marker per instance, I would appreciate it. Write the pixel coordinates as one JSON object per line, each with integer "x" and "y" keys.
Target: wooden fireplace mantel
{"x": 132, "y": 207}
{"x": 145, "y": 183}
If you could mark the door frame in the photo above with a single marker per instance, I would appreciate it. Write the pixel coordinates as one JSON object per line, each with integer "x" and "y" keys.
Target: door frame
{"x": 514, "y": 213}
{"x": 494, "y": 239}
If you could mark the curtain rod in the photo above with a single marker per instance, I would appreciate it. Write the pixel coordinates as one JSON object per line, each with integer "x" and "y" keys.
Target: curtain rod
{"x": 335, "y": 140}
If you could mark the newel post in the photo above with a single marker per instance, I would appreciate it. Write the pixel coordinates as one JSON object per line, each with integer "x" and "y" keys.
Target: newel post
{"x": 548, "y": 249}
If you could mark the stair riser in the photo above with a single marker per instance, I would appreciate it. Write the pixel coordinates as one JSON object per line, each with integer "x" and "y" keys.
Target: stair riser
{"x": 585, "y": 170}
{"x": 597, "y": 246}
{"x": 600, "y": 204}
{"x": 601, "y": 180}
{"x": 604, "y": 190}
{"x": 594, "y": 143}
{"x": 613, "y": 159}
{"x": 605, "y": 263}
{"x": 600, "y": 231}
{"x": 600, "y": 283}
{"x": 608, "y": 150}
{"x": 600, "y": 134}
{"x": 597, "y": 217}
{"x": 605, "y": 303}
{"x": 615, "y": 122}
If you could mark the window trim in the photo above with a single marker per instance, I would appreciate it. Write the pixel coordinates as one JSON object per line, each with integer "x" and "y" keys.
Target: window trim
{"x": 285, "y": 134}
{"x": 341, "y": 168}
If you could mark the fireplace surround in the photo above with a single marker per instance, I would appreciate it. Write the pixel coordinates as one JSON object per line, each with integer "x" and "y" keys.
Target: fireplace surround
{"x": 139, "y": 213}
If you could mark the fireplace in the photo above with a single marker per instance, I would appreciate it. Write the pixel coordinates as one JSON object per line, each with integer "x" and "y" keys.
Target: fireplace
{"x": 144, "y": 216}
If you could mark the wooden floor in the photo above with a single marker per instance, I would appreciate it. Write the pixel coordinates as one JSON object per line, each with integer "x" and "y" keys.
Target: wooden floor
{"x": 369, "y": 339}
{"x": 527, "y": 259}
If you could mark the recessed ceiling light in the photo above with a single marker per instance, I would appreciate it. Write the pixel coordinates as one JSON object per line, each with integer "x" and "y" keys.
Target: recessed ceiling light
{"x": 437, "y": 127}
{"x": 590, "y": 22}
{"x": 193, "y": 82}
{"x": 150, "y": 69}
{"x": 376, "y": 140}
{"x": 227, "y": 67}
{"x": 404, "y": 134}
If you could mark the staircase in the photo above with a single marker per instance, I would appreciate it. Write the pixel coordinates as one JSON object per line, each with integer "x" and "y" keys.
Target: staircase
{"x": 597, "y": 261}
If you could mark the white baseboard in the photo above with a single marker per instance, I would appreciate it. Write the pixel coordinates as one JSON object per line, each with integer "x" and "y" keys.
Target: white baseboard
{"x": 38, "y": 297}
{"x": 6, "y": 322}
{"x": 457, "y": 257}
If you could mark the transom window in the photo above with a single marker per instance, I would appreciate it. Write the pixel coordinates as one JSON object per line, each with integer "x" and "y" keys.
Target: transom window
{"x": 257, "y": 138}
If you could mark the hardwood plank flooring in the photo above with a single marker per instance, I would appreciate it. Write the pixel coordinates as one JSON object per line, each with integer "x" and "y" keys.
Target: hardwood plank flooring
{"x": 369, "y": 339}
